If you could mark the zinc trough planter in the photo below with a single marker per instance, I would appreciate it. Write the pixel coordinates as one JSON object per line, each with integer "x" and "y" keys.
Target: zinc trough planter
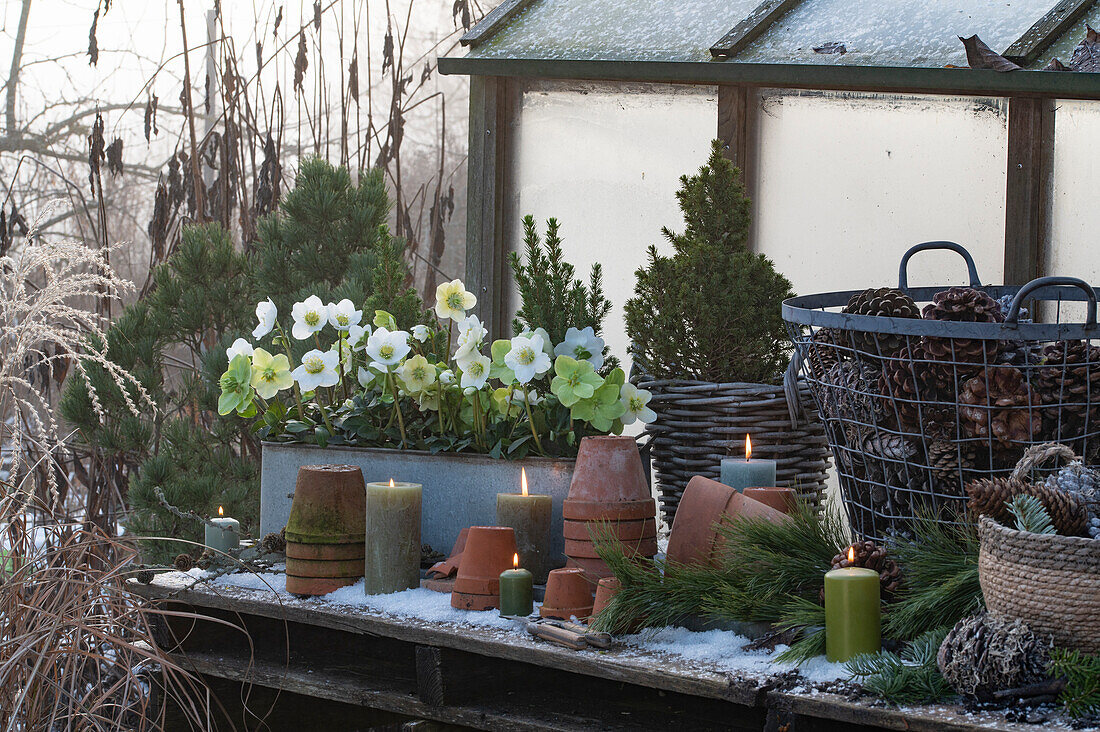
{"x": 460, "y": 490}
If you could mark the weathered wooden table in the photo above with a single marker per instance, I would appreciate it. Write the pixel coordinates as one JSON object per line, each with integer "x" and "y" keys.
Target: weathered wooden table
{"x": 291, "y": 662}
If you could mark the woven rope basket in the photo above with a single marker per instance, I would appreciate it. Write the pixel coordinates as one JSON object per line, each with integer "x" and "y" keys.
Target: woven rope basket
{"x": 699, "y": 423}
{"x": 1050, "y": 582}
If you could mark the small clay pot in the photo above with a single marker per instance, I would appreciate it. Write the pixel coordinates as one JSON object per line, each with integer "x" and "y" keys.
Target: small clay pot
{"x": 587, "y": 549}
{"x": 324, "y": 568}
{"x": 329, "y": 506}
{"x": 624, "y": 530}
{"x": 329, "y": 552}
{"x": 594, "y": 569}
{"x": 318, "y": 585}
{"x": 704, "y": 504}
{"x": 639, "y": 510}
{"x": 783, "y": 500}
{"x": 446, "y": 584}
{"x": 449, "y": 566}
{"x": 608, "y": 469}
{"x": 607, "y": 588}
{"x": 568, "y": 593}
{"x": 465, "y": 601}
{"x": 489, "y": 551}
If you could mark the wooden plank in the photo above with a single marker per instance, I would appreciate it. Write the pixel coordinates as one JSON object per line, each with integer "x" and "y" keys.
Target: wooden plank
{"x": 752, "y": 27}
{"x": 493, "y": 21}
{"x": 1036, "y": 39}
{"x": 490, "y": 126}
{"x": 1030, "y": 148}
{"x": 737, "y": 110}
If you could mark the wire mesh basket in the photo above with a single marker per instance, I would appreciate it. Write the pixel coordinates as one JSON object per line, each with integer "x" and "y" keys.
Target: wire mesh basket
{"x": 920, "y": 401}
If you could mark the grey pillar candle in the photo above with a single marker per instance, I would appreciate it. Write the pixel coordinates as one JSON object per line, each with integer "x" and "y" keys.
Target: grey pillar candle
{"x": 529, "y": 516}
{"x": 393, "y": 538}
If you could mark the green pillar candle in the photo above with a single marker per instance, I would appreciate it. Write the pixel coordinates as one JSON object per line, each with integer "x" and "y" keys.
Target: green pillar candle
{"x": 393, "y": 538}
{"x": 515, "y": 591}
{"x": 745, "y": 473}
{"x": 852, "y": 611}
{"x": 529, "y": 517}
{"x": 224, "y": 535}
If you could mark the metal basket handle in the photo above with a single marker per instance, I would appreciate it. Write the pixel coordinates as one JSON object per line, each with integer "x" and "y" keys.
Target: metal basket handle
{"x": 1014, "y": 310}
{"x": 972, "y": 271}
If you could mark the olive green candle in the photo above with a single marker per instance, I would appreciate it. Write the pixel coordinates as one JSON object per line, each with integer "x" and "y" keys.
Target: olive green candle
{"x": 529, "y": 516}
{"x": 516, "y": 596}
{"x": 393, "y": 538}
{"x": 852, "y": 613}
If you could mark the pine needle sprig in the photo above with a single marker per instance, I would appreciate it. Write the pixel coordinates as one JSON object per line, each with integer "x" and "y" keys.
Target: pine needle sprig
{"x": 940, "y": 565}
{"x": 1031, "y": 515}
{"x": 909, "y": 678}
{"x": 1081, "y": 697}
{"x": 809, "y": 618}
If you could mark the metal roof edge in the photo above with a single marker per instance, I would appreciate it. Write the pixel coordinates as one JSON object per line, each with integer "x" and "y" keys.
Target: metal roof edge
{"x": 1060, "y": 84}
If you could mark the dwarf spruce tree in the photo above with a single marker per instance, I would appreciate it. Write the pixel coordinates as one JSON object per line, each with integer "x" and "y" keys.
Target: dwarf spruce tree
{"x": 711, "y": 310}
{"x": 328, "y": 238}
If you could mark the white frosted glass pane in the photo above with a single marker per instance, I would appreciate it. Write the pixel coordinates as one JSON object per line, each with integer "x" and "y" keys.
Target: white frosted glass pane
{"x": 895, "y": 33}
{"x": 658, "y": 30}
{"x": 846, "y": 183}
{"x": 1075, "y": 217}
{"x": 1062, "y": 49}
{"x": 606, "y": 162}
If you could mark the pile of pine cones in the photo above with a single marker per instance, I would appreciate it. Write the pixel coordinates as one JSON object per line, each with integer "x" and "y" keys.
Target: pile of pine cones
{"x": 952, "y": 408}
{"x": 1069, "y": 512}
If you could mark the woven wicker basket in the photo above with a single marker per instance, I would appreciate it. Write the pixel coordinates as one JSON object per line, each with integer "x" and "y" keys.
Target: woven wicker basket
{"x": 1050, "y": 582}
{"x": 699, "y": 423}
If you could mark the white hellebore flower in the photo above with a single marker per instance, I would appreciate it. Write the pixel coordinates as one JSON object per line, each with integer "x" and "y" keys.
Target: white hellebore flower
{"x": 420, "y": 332}
{"x": 357, "y": 336}
{"x": 310, "y": 316}
{"x": 546, "y": 343}
{"x": 527, "y": 359}
{"x": 452, "y": 300}
{"x": 582, "y": 345}
{"x": 417, "y": 374}
{"x": 240, "y": 347}
{"x": 476, "y": 372}
{"x": 471, "y": 334}
{"x": 446, "y": 377}
{"x": 343, "y": 314}
{"x": 266, "y": 314}
{"x": 318, "y": 369}
{"x": 635, "y": 401}
{"x": 386, "y": 348}
{"x": 517, "y": 397}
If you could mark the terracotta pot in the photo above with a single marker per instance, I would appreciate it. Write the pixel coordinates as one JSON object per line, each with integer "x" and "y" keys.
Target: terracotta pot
{"x": 605, "y": 590}
{"x": 317, "y": 585}
{"x": 464, "y": 601}
{"x": 449, "y": 566}
{"x": 609, "y": 469}
{"x": 783, "y": 500}
{"x": 324, "y": 567}
{"x": 609, "y": 510}
{"x": 489, "y": 551}
{"x": 568, "y": 593}
{"x": 294, "y": 550}
{"x": 705, "y": 502}
{"x": 635, "y": 548}
{"x": 625, "y": 530}
{"x": 594, "y": 569}
{"x": 446, "y": 585}
{"x": 330, "y": 506}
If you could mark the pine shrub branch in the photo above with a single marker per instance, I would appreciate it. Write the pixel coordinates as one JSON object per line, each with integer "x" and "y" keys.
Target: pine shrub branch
{"x": 1081, "y": 697}
{"x": 1031, "y": 515}
{"x": 912, "y": 677}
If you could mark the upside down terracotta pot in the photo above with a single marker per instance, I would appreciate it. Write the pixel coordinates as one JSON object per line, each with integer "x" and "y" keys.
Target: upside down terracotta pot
{"x": 695, "y": 538}
{"x": 568, "y": 594}
{"x": 489, "y": 551}
{"x": 329, "y": 506}
{"x": 624, "y": 530}
{"x": 783, "y": 500}
{"x": 636, "y": 548}
{"x": 296, "y": 550}
{"x": 329, "y": 568}
{"x": 605, "y": 591}
{"x": 317, "y": 585}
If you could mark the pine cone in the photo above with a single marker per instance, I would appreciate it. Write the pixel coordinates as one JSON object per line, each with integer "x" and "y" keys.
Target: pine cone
{"x": 997, "y": 403}
{"x": 870, "y": 555}
{"x": 183, "y": 562}
{"x": 885, "y": 302}
{"x": 827, "y": 348}
{"x": 921, "y": 395}
{"x": 145, "y": 576}
{"x": 949, "y": 471}
{"x": 897, "y": 485}
{"x": 852, "y": 394}
{"x": 983, "y": 654}
{"x": 990, "y": 497}
{"x": 273, "y": 543}
{"x": 963, "y": 305}
{"x": 1068, "y": 385}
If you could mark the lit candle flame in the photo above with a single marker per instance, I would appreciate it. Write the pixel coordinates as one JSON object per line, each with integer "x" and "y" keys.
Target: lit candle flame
{"x": 748, "y": 448}
{"x": 391, "y": 482}
{"x": 515, "y": 561}
{"x": 221, "y": 511}
{"x": 523, "y": 480}
{"x": 851, "y": 555}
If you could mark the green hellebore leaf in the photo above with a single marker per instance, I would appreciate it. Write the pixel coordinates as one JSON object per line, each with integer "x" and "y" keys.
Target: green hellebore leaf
{"x": 248, "y": 411}
{"x": 227, "y": 402}
{"x": 502, "y": 373}
{"x": 500, "y": 350}
{"x": 382, "y": 319}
